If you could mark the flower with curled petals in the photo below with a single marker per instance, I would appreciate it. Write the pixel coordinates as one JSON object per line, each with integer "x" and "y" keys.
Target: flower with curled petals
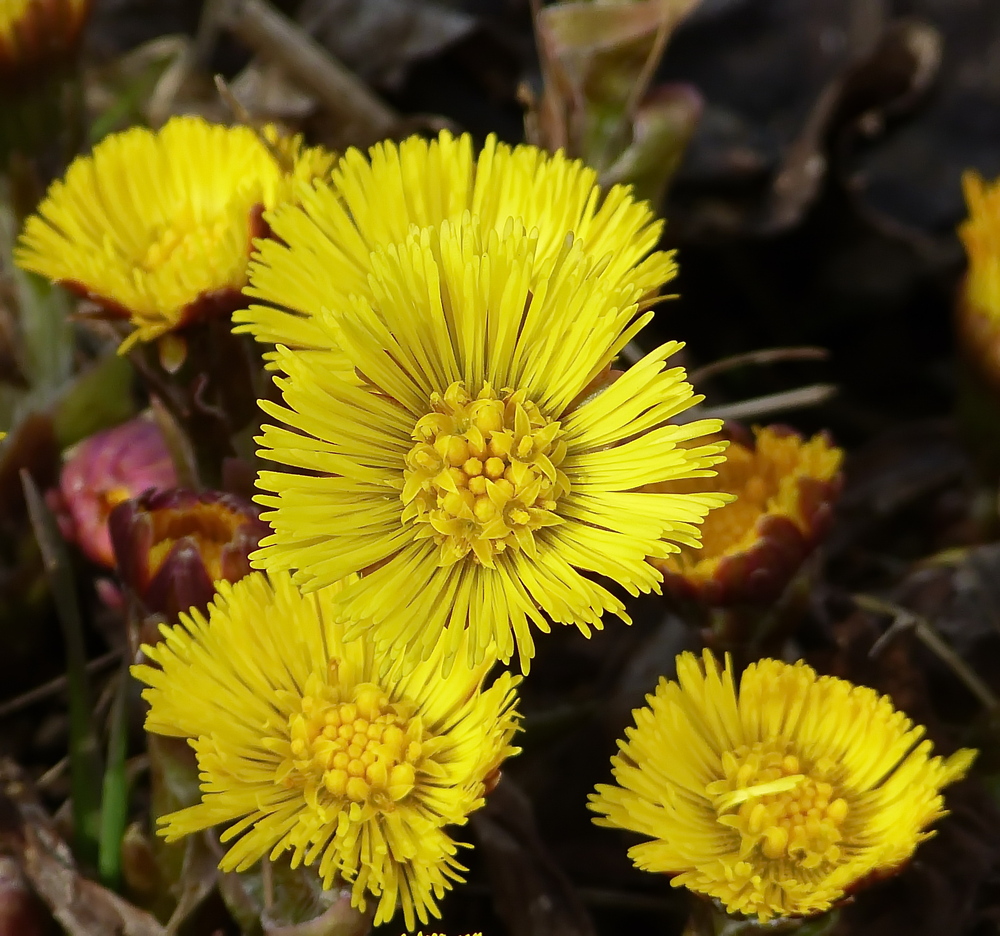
{"x": 306, "y": 747}
{"x": 778, "y": 797}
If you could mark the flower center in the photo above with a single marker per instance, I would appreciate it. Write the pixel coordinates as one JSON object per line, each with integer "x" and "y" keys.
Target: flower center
{"x": 484, "y": 474}
{"x": 773, "y": 803}
{"x": 180, "y": 244}
{"x": 365, "y": 750}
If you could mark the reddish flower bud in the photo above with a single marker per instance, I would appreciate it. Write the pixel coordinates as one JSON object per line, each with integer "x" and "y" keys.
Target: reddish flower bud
{"x": 172, "y": 546}
{"x": 37, "y": 37}
{"x": 785, "y": 490}
{"x": 101, "y": 472}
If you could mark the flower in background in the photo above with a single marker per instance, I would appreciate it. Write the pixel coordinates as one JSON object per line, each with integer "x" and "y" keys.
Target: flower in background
{"x": 778, "y": 798}
{"x": 374, "y": 201}
{"x": 172, "y": 546}
{"x": 170, "y": 248}
{"x": 475, "y": 475}
{"x": 978, "y": 308}
{"x": 785, "y": 490}
{"x": 304, "y": 747}
{"x": 37, "y": 36}
{"x": 101, "y": 472}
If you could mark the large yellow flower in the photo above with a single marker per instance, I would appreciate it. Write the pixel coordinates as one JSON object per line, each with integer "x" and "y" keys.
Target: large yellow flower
{"x": 473, "y": 470}
{"x": 305, "y": 748}
{"x": 156, "y": 227}
{"x": 324, "y": 253}
{"x": 780, "y": 797}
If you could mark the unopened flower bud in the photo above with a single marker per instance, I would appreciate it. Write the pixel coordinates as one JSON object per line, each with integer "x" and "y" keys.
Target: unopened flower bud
{"x": 101, "y": 472}
{"x": 785, "y": 490}
{"x": 37, "y": 37}
{"x": 172, "y": 546}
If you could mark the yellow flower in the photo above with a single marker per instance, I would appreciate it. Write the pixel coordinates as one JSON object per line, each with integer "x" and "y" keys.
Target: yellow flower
{"x": 37, "y": 34}
{"x": 981, "y": 235}
{"x": 156, "y": 227}
{"x": 375, "y": 201}
{"x": 785, "y": 489}
{"x": 475, "y": 471}
{"x": 304, "y": 748}
{"x": 776, "y": 799}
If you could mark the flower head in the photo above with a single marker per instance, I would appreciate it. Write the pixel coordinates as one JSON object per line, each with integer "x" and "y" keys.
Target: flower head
{"x": 374, "y": 202}
{"x": 37, "y": 36}
{"x": 305, "y": 748}
{"x": 980, "y": 234}
{"x": 978, "y": 307}
{"x": 167, "y": 246}
{"x": 101, "y": 472}
{"x": 473, "y": 473}
{"x": 172, "y": 546}
{"x": 785, "y": 489}
{"x": 778, "y": 798}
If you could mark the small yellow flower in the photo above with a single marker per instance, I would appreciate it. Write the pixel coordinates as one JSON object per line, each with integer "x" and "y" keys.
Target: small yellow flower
{"x": 473, "y": 473}
{"x": 37, "y": 34}
{"x": 374, "y": 201}
{"x": 304, "y": 747}
{"x": 785, "y": 489}
{"x": 980, "y": 233}
{"x": 156, "y": 227}
{"x": 780, "y": 797}
{"x": 977, "y": 311}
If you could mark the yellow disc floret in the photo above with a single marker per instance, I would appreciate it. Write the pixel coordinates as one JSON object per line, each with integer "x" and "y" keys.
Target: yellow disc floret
{"x": 367, "y": 750}
{"x": 484, "y": 475}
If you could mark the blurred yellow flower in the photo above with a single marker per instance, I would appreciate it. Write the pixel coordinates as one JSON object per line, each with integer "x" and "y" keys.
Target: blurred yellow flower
{"x": 474, "y": 473}
{"x": 980, "y": 233}
{"x": 785, "y": 489}
{"x": 156, "y": 226}
{"x": 304, "y": 747}
{"x": 778, "y": 798}
{"x": 323, "y": 254}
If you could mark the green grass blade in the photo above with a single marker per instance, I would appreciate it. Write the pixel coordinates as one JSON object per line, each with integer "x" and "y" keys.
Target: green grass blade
{"x": 84, "y": 754}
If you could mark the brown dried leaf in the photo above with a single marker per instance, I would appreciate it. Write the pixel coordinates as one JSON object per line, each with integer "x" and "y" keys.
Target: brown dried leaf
{"x": 81, "y": 906}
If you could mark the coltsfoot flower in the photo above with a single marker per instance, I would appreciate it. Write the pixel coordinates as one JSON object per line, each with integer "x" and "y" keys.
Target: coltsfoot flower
{"x": 323, "y": 254}
{"x": 785, "y": 490}
{"x": 37, "y": 36}
{"x": 474, "y": 473}
{"x": 171, "y": 247}
{"x": 305, "y": 748}
{"x": 780, "y": 797}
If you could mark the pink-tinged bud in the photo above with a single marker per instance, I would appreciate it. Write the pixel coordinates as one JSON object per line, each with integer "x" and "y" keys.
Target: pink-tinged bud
{"x": 172, "y": 546}
{"x": 101, "y": 472}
